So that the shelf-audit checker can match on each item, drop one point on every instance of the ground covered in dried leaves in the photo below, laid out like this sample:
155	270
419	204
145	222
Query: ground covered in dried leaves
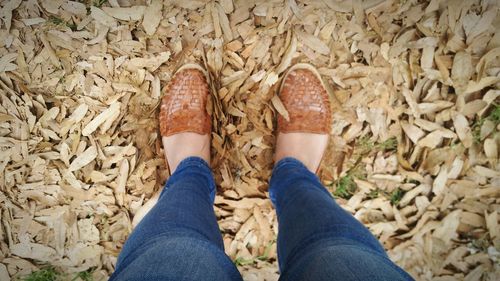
414	151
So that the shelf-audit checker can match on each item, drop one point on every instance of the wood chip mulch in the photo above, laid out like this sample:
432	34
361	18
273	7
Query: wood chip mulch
415	139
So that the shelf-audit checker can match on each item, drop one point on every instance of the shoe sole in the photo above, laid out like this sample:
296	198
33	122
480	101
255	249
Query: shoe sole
193	66
311	68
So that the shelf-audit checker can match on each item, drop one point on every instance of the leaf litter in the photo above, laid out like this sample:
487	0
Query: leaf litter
414	150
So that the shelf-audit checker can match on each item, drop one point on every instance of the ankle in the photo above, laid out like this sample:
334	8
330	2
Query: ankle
183	145
308	148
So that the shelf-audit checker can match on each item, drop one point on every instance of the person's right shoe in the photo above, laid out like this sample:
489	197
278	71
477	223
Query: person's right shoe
305	135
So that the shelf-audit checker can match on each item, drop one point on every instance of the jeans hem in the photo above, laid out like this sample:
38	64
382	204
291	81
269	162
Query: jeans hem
288	163
197	165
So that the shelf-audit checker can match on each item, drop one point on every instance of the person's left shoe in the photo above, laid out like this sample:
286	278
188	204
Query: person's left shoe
184	121
185	124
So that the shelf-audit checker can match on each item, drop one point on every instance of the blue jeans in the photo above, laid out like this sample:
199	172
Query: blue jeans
179	238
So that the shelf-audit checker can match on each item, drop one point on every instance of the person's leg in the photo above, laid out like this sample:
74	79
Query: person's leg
317	239
179	238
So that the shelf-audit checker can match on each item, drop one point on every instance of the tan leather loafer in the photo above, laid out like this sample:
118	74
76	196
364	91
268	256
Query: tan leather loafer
183	107
307	101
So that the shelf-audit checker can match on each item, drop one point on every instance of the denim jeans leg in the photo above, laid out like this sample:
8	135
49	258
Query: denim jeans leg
317	239
179	239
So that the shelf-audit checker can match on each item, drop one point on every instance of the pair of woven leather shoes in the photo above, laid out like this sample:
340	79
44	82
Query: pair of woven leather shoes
303	93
